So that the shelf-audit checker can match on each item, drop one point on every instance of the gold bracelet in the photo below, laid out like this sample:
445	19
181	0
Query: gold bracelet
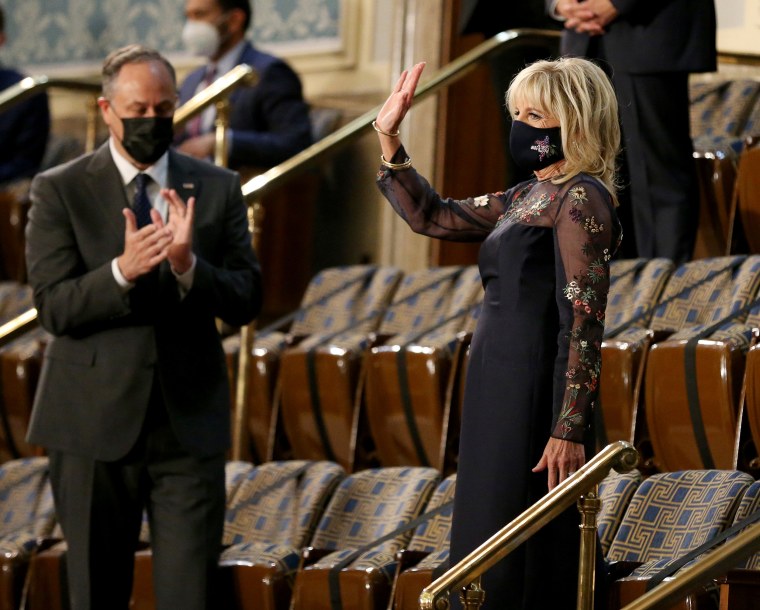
385	133
405	165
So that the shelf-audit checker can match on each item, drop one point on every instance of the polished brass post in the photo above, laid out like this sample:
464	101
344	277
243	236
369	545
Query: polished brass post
91	136
221	144
589	506
255	215
472	596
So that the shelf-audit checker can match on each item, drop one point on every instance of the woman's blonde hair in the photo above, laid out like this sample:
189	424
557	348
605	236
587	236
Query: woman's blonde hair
580	96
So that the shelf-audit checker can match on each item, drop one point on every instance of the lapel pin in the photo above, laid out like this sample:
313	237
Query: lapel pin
188	185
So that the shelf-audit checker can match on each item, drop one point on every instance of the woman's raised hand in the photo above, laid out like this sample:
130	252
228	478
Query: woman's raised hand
400	100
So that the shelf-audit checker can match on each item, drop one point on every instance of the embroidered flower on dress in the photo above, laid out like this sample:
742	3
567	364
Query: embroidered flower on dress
576	215
578	195
592	226
481	202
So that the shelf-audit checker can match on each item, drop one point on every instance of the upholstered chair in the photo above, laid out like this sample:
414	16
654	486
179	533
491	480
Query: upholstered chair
407	378
367	506
322	377
694	377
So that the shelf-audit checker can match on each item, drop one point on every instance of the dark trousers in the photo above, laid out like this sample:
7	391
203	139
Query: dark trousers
657	148
100	507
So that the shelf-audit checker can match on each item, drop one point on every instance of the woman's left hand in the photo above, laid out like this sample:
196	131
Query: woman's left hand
561	459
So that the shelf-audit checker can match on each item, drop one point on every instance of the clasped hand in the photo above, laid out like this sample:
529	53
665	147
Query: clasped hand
147	247
587	16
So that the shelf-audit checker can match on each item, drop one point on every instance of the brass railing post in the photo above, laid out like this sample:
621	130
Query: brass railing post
589	506
91	135
221	144
242	389
472	596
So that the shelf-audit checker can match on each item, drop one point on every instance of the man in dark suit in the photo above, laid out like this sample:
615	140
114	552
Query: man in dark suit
650	48
24	128
133	400
269	122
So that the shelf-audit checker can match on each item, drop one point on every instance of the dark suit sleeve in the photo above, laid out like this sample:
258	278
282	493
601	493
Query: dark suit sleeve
24	133
69	297
280	115
230	287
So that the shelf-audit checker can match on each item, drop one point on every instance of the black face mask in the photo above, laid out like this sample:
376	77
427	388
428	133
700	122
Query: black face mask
147	138
535	148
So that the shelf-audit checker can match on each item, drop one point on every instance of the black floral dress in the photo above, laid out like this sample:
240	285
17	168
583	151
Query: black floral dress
534	362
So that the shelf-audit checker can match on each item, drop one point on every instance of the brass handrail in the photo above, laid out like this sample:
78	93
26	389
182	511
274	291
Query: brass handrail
32	85
220	89
453	71
18	326
713	565
619	455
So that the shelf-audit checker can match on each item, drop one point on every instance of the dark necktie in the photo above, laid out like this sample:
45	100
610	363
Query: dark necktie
141	204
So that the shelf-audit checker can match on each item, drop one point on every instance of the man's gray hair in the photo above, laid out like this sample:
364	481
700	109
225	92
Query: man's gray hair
131	54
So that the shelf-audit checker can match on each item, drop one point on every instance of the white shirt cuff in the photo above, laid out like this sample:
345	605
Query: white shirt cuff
123	283
185	280
553	12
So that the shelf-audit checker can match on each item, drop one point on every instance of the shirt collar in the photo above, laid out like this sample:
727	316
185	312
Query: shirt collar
159	171
230	59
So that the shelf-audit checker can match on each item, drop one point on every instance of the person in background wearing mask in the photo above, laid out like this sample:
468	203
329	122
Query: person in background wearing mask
269	122
24	128
133	251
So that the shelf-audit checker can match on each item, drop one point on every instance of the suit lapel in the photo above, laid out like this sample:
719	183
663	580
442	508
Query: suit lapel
106	189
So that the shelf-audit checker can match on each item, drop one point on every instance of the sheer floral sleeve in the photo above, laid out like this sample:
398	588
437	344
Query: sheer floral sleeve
587	234
427	213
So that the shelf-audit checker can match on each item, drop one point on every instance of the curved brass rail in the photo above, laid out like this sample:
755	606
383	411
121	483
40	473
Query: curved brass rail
619	455
715	564
459	67
220	89
32	85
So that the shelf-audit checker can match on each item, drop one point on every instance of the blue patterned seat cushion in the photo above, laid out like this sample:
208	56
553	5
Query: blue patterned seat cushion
26	502
615	491
272	506
672	513
635	287
372	503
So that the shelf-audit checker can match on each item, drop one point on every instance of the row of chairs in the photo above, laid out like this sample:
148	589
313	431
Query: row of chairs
304	534
680	365
370	369
347	382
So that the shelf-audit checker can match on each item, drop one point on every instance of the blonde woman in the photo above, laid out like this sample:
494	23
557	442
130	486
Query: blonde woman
535	358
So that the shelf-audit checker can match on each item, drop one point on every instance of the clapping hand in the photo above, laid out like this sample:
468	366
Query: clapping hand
180	222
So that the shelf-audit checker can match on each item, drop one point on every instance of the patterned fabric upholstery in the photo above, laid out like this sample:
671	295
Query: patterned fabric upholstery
707	302
367	290
15	299
722	108
272	506
368	505
724	301
749	505
435	534
615	492
634	291
27	506
672	513
467	292
357	301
